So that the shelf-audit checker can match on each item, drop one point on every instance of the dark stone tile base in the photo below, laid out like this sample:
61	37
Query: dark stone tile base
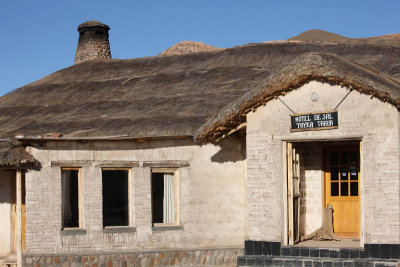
312	262
370	251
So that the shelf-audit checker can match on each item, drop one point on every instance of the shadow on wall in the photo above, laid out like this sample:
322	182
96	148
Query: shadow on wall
105	145
232	148
6	180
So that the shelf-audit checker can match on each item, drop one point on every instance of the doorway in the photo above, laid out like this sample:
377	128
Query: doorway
320	173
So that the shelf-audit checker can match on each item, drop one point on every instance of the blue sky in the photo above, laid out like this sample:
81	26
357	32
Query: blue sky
40	37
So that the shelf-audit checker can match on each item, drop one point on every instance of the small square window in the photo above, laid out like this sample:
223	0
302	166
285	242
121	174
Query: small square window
71	198
115	197
164	195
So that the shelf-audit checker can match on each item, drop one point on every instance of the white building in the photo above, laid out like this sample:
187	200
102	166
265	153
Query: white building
196	159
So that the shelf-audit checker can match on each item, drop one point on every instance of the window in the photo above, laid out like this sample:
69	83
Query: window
164	197
344	171
71	198
115	197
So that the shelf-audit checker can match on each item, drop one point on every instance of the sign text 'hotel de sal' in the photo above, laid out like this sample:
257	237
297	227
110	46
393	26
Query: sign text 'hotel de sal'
314	121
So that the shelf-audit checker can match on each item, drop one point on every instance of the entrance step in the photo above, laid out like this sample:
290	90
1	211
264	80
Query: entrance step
265	253
8	264
8	261
299	261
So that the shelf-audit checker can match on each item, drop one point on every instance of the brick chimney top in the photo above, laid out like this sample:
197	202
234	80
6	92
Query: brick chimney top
93	41
92	23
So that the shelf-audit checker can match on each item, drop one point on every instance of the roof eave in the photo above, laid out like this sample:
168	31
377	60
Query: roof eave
27	140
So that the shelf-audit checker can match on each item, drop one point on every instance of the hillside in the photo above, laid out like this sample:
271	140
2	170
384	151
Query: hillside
318	36
188	47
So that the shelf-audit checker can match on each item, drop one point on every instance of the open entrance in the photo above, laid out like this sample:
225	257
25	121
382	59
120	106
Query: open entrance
8	218
319	175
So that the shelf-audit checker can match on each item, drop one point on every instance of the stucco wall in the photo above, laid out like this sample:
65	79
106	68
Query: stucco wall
211	192
6	229
377	124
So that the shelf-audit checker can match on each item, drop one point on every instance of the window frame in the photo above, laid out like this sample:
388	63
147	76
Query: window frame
130	226
80	199
173	171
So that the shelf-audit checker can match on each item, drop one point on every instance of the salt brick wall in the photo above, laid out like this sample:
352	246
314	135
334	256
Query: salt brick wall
359	115
311	183
212	197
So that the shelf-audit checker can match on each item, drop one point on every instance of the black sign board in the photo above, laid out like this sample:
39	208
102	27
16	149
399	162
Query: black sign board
314	121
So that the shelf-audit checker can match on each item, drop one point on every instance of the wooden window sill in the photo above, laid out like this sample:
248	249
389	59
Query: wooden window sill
160	228
119	229
73	231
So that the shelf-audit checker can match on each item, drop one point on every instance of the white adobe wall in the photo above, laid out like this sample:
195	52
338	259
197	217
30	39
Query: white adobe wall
359	115
6	227
212	197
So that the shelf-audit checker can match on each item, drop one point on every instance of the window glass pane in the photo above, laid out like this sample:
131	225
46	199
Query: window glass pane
343	174
354	189
334	174
70	198
344	188
334	189
334	158
115	198
343	158
353	173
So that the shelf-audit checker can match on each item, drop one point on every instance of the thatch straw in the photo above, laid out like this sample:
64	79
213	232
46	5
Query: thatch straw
12	155
309	66
175	95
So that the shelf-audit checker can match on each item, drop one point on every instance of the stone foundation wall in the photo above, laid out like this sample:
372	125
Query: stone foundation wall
206	257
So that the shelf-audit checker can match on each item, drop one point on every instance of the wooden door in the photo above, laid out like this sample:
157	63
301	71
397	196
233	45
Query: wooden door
342	189
293	193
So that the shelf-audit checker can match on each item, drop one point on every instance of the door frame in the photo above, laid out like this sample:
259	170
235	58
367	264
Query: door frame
328	141
293	194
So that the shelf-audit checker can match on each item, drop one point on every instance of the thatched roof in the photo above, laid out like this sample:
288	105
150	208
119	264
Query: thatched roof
326	68
13	155
177	95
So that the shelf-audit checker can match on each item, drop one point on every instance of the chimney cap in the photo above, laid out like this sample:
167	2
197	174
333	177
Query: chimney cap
92	23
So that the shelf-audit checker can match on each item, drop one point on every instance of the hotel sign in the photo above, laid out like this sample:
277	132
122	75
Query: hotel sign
314	121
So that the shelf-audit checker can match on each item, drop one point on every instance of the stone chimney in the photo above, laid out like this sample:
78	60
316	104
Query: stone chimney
93	41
